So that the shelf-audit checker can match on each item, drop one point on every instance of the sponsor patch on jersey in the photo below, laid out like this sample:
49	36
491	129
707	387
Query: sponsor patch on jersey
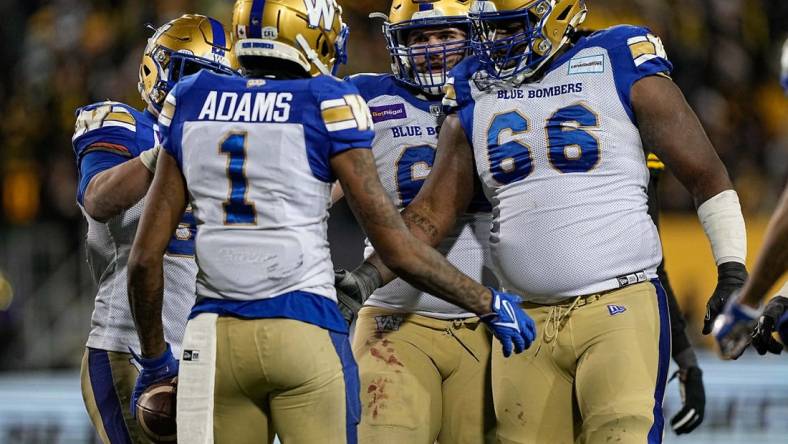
388	112
587	65
615	309
388	322
191	355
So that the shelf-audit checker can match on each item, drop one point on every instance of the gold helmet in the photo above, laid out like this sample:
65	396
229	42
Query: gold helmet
424	65
309	33
181	47
542	28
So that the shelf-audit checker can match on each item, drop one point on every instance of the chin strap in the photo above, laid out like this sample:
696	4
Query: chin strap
312	55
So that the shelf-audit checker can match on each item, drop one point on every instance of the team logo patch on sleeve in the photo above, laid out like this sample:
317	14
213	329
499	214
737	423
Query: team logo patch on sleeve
349	112
645	48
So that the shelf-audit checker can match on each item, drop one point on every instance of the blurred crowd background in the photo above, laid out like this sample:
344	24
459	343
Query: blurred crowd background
61	54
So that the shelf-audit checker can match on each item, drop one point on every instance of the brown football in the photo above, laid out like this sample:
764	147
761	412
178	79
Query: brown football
156	411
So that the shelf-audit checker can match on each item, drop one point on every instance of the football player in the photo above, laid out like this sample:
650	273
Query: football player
555	129
423	362
116	148
737	327
266	349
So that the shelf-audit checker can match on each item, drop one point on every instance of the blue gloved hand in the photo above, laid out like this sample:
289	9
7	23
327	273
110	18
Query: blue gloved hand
509	323
734	327
153	370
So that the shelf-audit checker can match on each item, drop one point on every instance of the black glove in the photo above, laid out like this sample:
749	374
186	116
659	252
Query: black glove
693	396
354	287
730	277
762	338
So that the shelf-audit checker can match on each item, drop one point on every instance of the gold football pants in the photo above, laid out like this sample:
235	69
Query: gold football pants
595	374
422	379
242	380
108	379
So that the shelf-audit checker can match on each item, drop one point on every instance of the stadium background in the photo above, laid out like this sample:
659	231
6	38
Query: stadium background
58	55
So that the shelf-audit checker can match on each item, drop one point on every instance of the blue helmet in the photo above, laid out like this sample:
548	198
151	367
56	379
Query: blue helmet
535	30
422	65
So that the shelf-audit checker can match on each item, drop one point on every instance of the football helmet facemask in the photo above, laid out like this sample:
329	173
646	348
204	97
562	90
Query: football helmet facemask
423	65
309	33
515	38
181	47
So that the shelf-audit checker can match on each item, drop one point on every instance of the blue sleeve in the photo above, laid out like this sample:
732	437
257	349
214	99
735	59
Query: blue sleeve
344	114
635	53
90	165
99	150
341	121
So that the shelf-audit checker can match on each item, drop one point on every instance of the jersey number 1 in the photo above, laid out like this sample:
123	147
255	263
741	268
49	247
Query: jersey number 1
237	210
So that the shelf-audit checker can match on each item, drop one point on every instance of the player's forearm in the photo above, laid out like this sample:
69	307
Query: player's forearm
429	271
420	227
772	261
116	190
670	127
146	291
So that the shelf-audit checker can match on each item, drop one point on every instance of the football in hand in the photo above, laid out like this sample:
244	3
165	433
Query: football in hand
156	411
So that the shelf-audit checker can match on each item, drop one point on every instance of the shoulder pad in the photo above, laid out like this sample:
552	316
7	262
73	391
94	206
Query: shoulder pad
104	115
641	40
372	85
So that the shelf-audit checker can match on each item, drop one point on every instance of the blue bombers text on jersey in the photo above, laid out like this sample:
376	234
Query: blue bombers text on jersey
560	158
255	155
106	135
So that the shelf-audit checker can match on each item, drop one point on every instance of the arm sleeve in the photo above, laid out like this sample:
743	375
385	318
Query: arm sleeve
344	115
635	53
105	136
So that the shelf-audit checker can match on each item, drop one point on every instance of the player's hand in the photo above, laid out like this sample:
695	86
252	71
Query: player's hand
762	338
693	398
509	323
730	277
348	306
733	329
354	287
153	370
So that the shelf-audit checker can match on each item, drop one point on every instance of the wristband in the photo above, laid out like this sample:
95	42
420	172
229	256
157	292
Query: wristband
724	226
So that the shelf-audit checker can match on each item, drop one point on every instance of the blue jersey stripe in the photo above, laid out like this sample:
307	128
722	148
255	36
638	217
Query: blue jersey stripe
107	401
352	384
256	19
655	433
218	33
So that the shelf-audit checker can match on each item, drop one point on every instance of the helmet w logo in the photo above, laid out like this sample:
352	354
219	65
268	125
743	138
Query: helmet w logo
320	9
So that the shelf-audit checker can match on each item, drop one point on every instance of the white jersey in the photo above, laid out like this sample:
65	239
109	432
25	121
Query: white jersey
255	155
562	162
406	135
108	134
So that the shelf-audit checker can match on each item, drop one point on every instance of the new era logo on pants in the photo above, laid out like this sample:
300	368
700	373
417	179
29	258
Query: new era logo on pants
616	309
